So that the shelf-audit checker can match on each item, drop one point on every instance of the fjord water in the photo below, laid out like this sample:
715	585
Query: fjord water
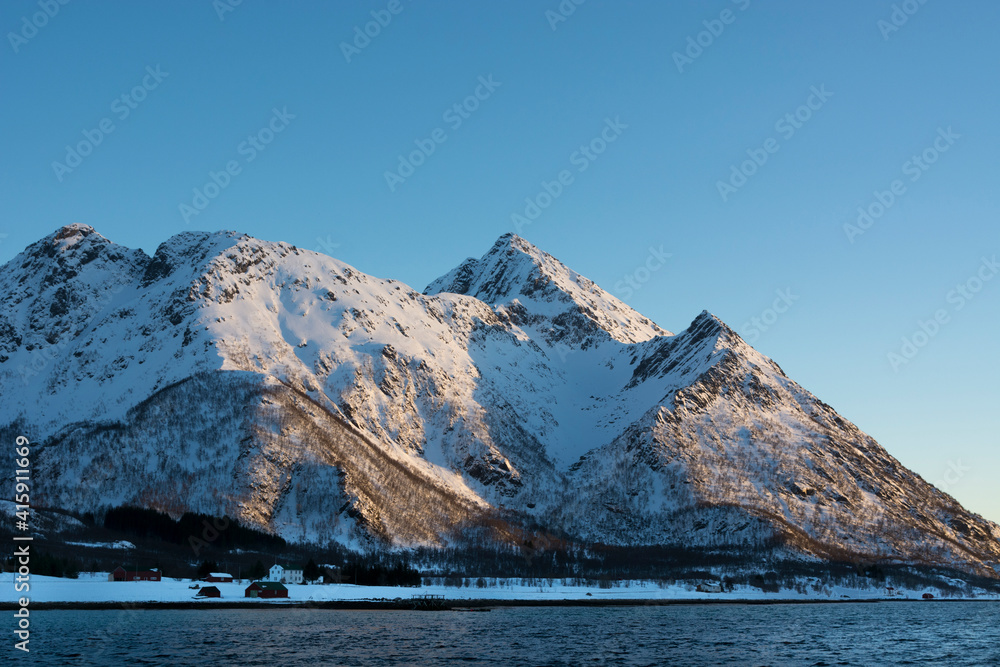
930	633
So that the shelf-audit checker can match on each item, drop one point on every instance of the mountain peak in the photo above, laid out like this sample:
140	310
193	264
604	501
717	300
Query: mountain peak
710	324
68	250
537	290
74	229
500	273
72	236
512	240
713	334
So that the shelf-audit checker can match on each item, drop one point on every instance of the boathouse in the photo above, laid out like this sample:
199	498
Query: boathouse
266	589
209	592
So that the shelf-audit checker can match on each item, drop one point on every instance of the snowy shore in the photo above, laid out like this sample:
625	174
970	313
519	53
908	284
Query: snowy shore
95	588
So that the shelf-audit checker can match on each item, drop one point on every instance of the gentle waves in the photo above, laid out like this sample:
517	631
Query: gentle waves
918	633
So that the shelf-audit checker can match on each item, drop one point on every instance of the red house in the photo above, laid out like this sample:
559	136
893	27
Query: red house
121	574
928	596
209	592
266	589
218	576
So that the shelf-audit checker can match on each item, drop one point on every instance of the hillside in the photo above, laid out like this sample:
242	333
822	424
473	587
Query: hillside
230	375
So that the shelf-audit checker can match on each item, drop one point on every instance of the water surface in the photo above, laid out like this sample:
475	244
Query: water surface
920	633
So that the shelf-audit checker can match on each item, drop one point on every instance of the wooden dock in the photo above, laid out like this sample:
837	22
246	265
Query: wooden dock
428	602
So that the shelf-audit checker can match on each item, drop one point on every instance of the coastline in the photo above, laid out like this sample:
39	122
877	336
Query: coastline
93	591
458	604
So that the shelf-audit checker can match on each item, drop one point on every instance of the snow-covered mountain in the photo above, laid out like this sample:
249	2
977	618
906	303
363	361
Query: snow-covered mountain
231	375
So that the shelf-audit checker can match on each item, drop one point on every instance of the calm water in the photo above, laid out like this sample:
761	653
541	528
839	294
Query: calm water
965	633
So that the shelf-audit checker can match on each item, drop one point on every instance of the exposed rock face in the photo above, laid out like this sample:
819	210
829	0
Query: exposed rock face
231	375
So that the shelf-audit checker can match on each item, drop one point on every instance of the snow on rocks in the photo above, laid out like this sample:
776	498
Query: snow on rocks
227	374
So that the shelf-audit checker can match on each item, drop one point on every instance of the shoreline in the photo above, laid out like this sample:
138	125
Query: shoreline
446	605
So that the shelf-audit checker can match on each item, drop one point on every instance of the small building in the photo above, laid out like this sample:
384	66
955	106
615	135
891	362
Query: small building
709	588
928	596
266	589
286	574
219	577
209	592
121	574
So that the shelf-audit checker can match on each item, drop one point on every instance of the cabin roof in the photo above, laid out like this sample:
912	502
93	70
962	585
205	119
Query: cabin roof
270	585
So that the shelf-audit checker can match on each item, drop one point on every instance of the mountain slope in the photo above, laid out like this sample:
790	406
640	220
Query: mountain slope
231	375
745	439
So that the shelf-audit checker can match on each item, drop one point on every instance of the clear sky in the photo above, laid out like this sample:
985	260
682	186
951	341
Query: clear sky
310	114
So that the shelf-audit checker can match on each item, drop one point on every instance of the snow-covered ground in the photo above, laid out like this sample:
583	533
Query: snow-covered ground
95	587
120	544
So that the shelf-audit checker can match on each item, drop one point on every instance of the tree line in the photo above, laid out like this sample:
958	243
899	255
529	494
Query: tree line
225	533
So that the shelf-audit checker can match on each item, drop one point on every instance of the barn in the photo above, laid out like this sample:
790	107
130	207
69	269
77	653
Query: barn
121	574
209	592
266	589
221	577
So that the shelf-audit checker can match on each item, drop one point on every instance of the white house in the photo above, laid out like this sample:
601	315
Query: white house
285	574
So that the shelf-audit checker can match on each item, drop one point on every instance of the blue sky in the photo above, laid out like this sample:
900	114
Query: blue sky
199	81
